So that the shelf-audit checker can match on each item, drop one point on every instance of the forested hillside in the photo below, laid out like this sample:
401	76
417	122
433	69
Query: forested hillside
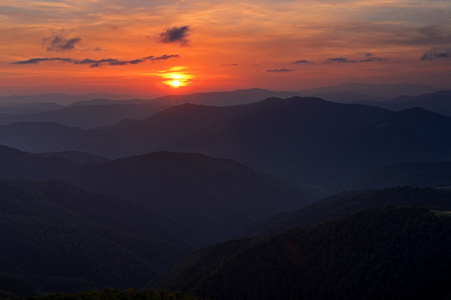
343	203
380	253
59	238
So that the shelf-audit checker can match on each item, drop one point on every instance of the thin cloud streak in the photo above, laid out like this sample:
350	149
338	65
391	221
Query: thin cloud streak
302	61
343	60
283	70
434	54
95	62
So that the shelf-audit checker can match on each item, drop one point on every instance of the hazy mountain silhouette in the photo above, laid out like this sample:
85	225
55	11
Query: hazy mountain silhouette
237	97
218	196
347	96
62	99
59	238
316	143
387	91
89	116
106	102
409	173
338	205
379	253
78	157
100	112
439	101
27	108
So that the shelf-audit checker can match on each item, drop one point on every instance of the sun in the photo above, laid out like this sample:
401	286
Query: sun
175	83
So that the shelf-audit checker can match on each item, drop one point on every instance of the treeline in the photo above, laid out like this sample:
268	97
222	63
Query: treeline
379	253
115	294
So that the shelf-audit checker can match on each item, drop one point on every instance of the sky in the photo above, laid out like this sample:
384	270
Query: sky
147	47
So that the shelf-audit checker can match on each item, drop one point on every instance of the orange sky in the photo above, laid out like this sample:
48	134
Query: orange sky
135	47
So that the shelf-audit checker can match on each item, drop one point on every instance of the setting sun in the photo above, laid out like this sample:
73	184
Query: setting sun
175	83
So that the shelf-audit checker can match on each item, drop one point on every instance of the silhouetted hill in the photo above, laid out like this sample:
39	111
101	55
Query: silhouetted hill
313	142
237	97
59	238
27	108
62	99
387	91
78	157
340	204
218	196
410	173
347	96
41	137
106	102
89	116
383	253
439	102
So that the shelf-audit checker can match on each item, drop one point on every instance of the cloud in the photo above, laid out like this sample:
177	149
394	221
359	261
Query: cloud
280	70
60	43
302	61
436	54
343	60
95	62
175	34
370	57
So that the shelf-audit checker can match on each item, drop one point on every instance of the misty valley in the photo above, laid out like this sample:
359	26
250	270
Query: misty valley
339	192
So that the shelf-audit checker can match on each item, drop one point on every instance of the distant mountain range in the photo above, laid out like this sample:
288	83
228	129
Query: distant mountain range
116	191
439	101
62	99
379	92
218	197
86	115
97	112
315	143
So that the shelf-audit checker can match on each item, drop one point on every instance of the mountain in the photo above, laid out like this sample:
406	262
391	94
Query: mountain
78	157
28	108
338	205
237	97
347	96
439	102
90	115
380	253
216	196
316	143
409	173
42	137
101	112
128	137
59	238
106	102
62	99
387	91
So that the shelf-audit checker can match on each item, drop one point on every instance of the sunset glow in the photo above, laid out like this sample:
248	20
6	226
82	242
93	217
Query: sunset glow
175	83
137	47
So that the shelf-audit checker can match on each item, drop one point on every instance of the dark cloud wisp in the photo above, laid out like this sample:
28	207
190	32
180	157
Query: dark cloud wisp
95	62
343	60
283	70
175	34
60	43
302	61
436	54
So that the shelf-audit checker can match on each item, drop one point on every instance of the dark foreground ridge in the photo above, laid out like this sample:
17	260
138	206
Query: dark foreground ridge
380	253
